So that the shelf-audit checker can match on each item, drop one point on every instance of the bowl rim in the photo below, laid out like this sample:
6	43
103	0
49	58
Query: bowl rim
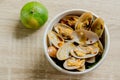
58	67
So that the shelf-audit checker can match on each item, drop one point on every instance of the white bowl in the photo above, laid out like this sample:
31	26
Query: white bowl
50	26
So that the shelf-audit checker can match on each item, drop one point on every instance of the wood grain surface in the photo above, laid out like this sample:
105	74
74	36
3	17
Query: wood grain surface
21	50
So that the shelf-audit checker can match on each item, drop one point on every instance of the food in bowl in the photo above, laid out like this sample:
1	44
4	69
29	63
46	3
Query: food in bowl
76	42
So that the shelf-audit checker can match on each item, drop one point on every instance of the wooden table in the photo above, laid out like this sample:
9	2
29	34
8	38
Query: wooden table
21	50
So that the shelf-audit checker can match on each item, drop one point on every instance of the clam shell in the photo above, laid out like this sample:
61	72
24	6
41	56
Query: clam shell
91	51
70	20
64	30
85	36
63	52
84	21
77	52
55	39
98	26
73	63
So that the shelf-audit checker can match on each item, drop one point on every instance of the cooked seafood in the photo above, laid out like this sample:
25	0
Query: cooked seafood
64	30
98	26
84	21
75	41
70	20
90	51
73	63
55	39
64	52
84	36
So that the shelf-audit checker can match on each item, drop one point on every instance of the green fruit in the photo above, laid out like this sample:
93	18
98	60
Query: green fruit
33	15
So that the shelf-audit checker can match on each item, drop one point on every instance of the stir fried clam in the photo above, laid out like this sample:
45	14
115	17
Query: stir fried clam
84	36
84	21
70	20
64	30
75	41
64	52
90	51
73	63
55	39
98	26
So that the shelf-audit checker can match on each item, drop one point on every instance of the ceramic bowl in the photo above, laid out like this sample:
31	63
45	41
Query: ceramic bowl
56	20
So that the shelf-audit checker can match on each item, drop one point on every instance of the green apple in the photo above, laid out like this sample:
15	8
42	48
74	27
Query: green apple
33	15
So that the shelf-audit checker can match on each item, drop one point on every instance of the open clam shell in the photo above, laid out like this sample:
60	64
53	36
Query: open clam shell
98	26
55	39
64	30
77	51
69	20
84	21
85	36
73	63
64	52
89	51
